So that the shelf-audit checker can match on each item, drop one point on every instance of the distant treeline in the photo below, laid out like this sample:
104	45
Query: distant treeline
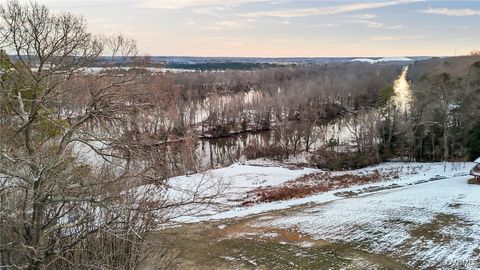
223	66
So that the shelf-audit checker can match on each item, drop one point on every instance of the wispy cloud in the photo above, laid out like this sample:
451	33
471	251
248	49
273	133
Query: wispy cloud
397	38
231	25
216	11
332	10
326	25
369	24
367	16
397	26
374	24
451	12
367	19
180	4
284	22
189	21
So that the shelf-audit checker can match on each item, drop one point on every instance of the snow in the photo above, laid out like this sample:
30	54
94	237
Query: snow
382	60
477	160
240	178
428	216
430	225
224	188
382	220
254	235
98	70
227	187
366	60
394	59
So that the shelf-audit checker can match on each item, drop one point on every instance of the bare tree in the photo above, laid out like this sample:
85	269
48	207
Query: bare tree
68	179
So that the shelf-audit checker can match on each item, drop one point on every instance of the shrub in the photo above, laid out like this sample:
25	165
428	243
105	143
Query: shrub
473	143
270	151
341	158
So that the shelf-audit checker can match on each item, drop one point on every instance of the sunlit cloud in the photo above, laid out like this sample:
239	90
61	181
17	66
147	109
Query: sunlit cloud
367	20
283	27
217	11
180	4
326	25
398	38
369	24
307	12
451	12
374	24
231	25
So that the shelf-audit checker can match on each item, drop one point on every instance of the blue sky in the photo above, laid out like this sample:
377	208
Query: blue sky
282	28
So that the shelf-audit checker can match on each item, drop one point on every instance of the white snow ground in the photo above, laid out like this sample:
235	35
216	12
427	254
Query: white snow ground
233	182
225	188
433	225
428	217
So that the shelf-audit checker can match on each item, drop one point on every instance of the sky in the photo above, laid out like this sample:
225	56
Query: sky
285	28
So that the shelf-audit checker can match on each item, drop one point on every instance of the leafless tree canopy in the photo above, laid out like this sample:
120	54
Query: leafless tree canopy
66	179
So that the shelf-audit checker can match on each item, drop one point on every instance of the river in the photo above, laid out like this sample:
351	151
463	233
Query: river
211	153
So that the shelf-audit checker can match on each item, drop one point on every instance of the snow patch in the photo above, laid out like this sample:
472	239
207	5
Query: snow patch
383	60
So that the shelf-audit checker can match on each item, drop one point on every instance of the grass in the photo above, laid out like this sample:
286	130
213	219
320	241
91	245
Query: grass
432	230
474	181
238	244
273	255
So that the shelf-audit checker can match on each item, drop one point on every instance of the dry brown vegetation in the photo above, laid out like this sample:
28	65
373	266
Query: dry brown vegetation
310	184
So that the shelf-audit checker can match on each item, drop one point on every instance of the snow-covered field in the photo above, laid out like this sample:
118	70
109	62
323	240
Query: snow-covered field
230	185
427	216
434	224
223	189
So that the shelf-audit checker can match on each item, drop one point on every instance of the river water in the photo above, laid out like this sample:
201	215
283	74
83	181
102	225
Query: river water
217	152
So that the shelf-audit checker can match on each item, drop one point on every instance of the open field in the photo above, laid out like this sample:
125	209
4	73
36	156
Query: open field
420	218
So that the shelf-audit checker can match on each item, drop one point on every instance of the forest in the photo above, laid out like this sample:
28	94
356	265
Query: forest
79	141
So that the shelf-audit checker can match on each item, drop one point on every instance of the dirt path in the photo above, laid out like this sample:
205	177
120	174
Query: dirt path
241	244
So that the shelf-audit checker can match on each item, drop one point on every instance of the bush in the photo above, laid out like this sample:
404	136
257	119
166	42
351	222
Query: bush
341	158
271	151
473	143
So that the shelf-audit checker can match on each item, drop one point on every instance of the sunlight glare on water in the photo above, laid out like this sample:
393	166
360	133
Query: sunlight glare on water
402	91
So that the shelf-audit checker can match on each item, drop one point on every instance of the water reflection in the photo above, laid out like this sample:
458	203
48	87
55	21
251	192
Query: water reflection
218	152
403	93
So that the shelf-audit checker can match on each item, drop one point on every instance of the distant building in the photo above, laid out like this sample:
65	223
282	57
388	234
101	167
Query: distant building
475	172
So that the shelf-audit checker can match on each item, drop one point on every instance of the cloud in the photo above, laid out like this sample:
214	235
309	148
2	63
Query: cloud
231	24
189	21
367	19
364	16
374	24
397	26
332	10
216	11
326	25
181	4
285	22
451	12
397	38
369	24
